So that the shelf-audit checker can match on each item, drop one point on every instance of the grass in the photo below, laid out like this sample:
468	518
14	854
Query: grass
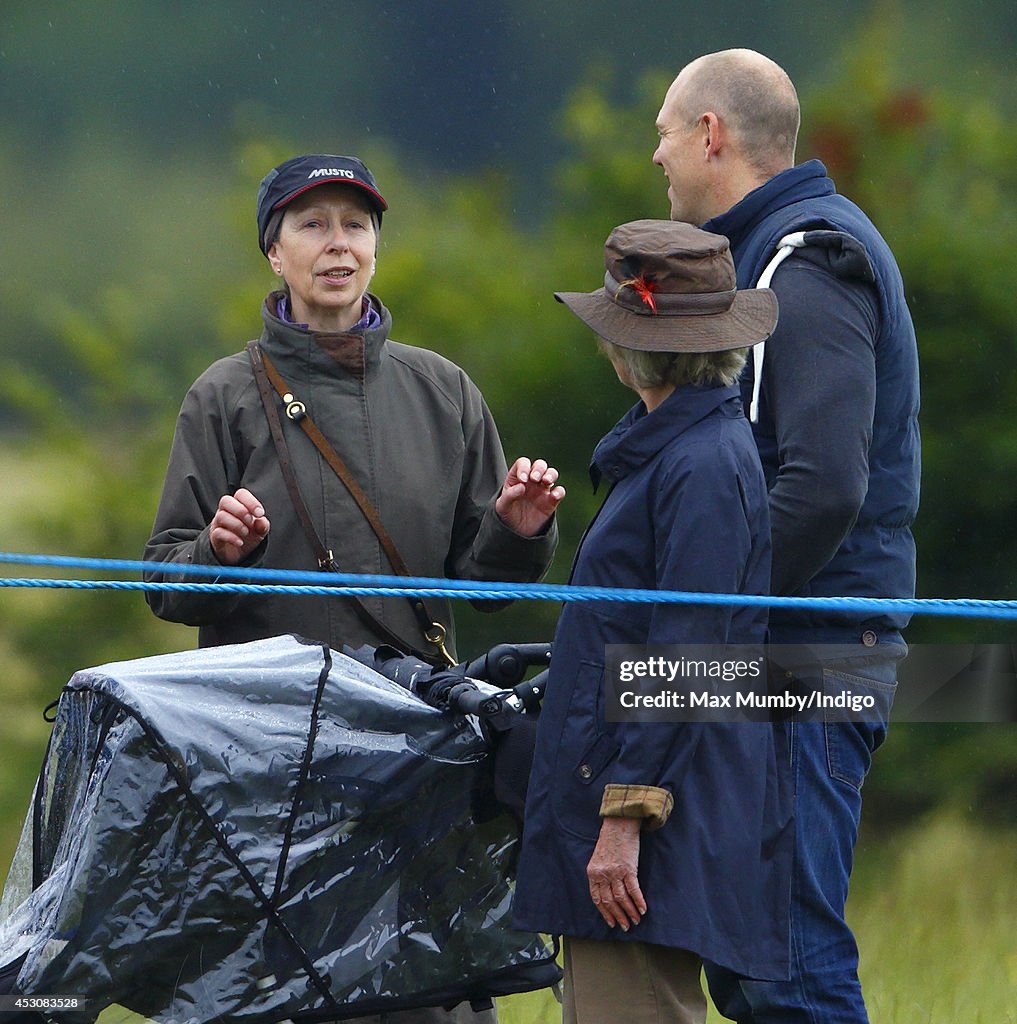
23	736
936	918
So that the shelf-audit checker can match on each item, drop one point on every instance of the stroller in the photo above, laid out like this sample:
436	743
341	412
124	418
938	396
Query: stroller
275	831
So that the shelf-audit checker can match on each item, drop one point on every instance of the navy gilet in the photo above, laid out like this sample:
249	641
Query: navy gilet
877	558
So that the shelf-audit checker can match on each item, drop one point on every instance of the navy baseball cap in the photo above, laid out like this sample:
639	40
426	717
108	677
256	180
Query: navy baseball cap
294	177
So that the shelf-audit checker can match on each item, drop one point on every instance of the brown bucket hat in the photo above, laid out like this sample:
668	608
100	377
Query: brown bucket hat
670	287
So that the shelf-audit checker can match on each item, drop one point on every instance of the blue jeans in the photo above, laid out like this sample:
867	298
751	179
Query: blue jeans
829	761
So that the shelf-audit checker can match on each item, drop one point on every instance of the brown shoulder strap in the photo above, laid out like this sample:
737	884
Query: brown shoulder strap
323	556
264	372
297	412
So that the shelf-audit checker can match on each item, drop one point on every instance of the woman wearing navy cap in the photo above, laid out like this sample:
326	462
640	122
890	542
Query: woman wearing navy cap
411	428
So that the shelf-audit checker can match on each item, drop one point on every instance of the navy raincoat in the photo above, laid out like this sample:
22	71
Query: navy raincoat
687	510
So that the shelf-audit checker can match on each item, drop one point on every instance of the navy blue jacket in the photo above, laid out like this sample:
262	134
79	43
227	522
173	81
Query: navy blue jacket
687	510
838	424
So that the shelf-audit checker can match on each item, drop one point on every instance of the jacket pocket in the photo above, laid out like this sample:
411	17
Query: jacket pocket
585	751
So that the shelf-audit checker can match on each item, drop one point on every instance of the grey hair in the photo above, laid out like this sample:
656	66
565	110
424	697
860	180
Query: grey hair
655	369
754	96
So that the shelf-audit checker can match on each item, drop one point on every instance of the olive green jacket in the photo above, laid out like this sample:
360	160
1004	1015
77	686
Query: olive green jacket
412	428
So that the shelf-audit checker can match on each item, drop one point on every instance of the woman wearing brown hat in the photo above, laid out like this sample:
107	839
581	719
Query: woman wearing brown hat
653	845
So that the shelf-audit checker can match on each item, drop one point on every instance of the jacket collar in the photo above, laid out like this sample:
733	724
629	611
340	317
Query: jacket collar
640	435
356	353
806	181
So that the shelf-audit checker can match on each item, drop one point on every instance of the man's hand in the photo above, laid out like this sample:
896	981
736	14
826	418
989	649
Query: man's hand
613	873
238	527
529	496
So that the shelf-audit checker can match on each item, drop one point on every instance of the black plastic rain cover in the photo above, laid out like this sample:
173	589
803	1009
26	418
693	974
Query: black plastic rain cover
260	832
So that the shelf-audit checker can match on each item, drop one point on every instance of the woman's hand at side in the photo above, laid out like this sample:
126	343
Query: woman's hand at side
613	873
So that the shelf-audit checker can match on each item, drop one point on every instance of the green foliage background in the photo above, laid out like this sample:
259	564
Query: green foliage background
131	145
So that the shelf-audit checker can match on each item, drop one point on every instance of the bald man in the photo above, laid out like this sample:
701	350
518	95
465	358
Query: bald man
833	398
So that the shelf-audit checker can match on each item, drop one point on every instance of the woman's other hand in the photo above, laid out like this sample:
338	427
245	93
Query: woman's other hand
613	873
238	526
529	496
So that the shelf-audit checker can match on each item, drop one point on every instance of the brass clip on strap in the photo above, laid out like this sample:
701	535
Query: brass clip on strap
435	634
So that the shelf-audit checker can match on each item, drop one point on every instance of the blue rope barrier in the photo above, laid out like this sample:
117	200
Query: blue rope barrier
296	584
237	572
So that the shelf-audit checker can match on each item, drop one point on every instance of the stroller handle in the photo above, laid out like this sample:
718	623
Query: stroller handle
506	664
472	697
485	687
